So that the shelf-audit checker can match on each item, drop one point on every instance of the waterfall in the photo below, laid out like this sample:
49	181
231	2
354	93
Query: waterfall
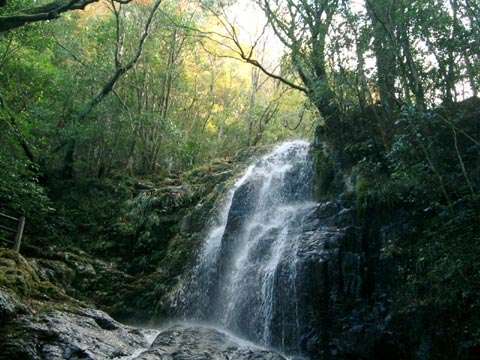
246	277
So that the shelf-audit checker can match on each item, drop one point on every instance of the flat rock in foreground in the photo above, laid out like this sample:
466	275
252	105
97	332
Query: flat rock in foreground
85	334
68	334
202	343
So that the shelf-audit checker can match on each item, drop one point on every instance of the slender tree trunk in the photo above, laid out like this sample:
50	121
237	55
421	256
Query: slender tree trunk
380	15
412	73
68	171
363	91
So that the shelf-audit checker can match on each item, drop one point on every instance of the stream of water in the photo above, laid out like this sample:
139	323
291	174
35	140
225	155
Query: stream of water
246	277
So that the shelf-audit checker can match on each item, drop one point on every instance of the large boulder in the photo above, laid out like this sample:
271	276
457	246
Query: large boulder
203	343
69	334
89	334
38	320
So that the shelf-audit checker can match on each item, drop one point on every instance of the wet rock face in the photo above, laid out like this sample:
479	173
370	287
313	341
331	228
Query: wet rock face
243	204
88	334
202	343
264	271
342	304
80	334
9	306
301	324
347	284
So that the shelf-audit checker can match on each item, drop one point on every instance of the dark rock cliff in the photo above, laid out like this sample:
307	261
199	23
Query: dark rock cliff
379	292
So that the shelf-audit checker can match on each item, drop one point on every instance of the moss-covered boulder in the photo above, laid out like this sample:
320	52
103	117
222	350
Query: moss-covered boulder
21	277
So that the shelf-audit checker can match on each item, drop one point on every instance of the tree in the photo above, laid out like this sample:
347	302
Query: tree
45	12
303	28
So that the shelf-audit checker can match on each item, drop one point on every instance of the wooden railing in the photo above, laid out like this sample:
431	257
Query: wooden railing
18	231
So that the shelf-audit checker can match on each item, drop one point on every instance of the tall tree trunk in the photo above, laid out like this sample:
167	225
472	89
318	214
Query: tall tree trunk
380	13
68	171
412	71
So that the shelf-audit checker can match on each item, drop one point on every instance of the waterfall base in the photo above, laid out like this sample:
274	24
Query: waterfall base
250	273
89	334
195	342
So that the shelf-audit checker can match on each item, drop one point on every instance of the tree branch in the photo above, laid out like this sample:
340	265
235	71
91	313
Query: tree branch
10	120
48	11
121	69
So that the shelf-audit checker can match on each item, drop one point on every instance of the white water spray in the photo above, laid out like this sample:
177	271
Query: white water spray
246	275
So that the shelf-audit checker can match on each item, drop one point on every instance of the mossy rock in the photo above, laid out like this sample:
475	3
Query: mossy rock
22	278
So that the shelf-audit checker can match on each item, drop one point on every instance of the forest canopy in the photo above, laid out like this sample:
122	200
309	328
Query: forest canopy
95	88
178	105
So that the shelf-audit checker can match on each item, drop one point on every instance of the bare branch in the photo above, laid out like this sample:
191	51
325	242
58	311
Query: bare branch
9	118
48	11
121	69
70	52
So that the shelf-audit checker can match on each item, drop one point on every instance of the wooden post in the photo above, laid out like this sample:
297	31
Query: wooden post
18	237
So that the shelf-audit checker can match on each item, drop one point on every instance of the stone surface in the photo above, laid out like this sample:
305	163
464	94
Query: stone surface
92	335
203	343
69	334
9	306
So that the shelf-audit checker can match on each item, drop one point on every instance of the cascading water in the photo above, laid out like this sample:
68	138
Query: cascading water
246	275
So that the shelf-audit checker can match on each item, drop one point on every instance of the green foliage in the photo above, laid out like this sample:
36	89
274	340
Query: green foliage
428	175
178	108
20	191
439	271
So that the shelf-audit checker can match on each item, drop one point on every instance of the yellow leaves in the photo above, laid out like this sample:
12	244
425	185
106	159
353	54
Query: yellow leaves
102	9
144	2
217	108
98	9
211	128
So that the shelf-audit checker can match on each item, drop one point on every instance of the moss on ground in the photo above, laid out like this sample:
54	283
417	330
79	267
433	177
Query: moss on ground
21	277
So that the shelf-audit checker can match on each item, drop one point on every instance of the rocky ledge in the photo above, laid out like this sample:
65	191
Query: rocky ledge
188	342
69	334
86	334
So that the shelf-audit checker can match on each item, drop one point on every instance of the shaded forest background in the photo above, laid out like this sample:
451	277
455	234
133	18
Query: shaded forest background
94	102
